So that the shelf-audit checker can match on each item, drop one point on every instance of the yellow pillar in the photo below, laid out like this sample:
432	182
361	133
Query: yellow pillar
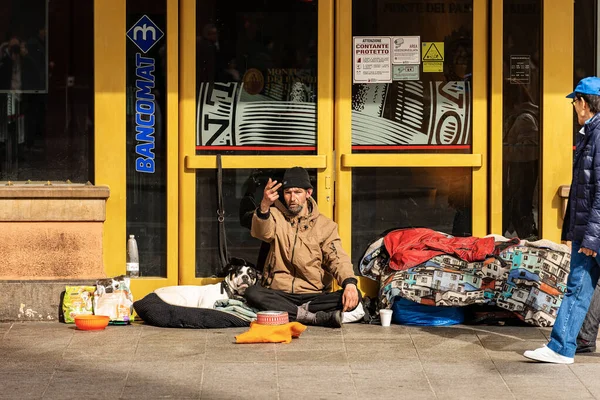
557	113
109	135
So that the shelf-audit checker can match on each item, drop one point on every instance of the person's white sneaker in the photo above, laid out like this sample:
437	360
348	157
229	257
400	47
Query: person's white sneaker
545	354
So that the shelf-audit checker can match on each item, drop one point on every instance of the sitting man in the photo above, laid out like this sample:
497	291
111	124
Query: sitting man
305	252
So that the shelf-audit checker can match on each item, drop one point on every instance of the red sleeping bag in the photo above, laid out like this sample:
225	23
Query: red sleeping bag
410	247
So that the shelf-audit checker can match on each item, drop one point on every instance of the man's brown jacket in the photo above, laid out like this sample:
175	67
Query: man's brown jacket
305	251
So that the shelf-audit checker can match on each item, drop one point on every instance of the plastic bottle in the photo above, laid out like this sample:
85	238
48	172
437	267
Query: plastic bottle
133	258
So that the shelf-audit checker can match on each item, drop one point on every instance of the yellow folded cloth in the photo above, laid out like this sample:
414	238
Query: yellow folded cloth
271	333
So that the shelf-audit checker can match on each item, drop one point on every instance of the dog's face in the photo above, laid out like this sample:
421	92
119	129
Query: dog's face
241	275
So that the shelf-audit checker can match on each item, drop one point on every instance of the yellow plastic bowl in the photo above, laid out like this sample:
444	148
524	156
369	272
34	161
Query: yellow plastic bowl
91	322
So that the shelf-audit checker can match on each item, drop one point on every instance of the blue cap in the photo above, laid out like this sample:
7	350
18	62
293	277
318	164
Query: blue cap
589	85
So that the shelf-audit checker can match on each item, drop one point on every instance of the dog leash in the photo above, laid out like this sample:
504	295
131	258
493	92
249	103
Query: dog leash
222	239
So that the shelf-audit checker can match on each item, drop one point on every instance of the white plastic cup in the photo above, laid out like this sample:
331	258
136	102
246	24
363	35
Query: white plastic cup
386	317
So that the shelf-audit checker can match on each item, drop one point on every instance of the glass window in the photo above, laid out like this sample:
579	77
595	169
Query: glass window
521	118
146	133
256	76
242	193
430	108
46	90
387	198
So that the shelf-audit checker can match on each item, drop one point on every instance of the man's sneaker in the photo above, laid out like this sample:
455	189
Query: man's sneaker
545	354
332	319
583	346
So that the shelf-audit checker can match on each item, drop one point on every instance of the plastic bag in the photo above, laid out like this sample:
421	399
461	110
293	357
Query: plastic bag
78	300
113	298
407	312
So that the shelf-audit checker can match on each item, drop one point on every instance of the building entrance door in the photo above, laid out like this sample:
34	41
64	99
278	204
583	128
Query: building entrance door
256	81
411	123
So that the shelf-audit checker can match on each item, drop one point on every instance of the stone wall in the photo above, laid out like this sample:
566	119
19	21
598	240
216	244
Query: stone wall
50	236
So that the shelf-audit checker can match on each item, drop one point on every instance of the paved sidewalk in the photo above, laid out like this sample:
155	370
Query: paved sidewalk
55	361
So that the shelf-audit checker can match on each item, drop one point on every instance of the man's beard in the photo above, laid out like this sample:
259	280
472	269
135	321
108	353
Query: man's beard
296	210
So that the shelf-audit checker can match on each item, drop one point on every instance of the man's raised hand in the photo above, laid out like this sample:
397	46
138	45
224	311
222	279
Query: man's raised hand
269	196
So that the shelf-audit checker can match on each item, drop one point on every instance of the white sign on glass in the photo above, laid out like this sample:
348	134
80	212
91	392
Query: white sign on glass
372	59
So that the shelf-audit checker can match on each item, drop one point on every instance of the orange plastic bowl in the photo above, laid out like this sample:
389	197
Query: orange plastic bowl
91	322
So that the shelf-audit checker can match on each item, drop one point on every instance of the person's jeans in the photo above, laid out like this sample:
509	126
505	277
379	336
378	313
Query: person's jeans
581	283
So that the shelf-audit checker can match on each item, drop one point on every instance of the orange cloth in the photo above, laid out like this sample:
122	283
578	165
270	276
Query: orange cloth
271	333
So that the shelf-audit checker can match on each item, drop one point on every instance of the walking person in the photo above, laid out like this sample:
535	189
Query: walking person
581	226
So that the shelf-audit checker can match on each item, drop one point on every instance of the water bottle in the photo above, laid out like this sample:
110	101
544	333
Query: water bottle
133	258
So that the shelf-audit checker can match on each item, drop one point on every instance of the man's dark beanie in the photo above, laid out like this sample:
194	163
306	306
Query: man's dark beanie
296	177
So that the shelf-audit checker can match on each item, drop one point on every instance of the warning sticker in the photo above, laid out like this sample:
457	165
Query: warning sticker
433	56
433	51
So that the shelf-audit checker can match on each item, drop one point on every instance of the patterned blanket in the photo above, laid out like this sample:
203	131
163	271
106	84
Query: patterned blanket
527	278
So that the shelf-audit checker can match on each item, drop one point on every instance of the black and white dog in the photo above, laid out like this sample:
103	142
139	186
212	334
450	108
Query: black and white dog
240	275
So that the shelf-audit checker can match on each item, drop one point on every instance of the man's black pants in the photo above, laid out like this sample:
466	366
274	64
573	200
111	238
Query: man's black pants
275	300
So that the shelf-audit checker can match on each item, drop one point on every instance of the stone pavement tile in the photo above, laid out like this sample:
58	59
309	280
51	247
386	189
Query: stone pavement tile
525	371
307	358
510	350
587	358
544	388
546	332
30	360
227	379
4	327
242	353
400	376
321	333
82	339
375	332
588	374
409	392
457	350
155	334
86	383
47	330
478	379
449	332
250	393
160	391
328	381
304	394
458	372
177	379
508	333
23	386
301	344
485	390
121	329
223	337
227	333
41	344
93	366
100	350
365	350
174	350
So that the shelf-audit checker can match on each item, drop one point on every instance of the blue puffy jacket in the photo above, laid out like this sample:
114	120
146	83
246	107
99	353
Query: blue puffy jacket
582	219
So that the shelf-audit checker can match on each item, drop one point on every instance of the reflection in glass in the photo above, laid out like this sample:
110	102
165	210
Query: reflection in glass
585	47
522	129
432	110
242	193
387	198
46	90
256	75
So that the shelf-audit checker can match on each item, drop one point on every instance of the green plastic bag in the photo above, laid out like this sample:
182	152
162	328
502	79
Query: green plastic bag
78	300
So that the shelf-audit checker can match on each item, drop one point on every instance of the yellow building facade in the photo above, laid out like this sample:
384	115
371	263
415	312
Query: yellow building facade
392	136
